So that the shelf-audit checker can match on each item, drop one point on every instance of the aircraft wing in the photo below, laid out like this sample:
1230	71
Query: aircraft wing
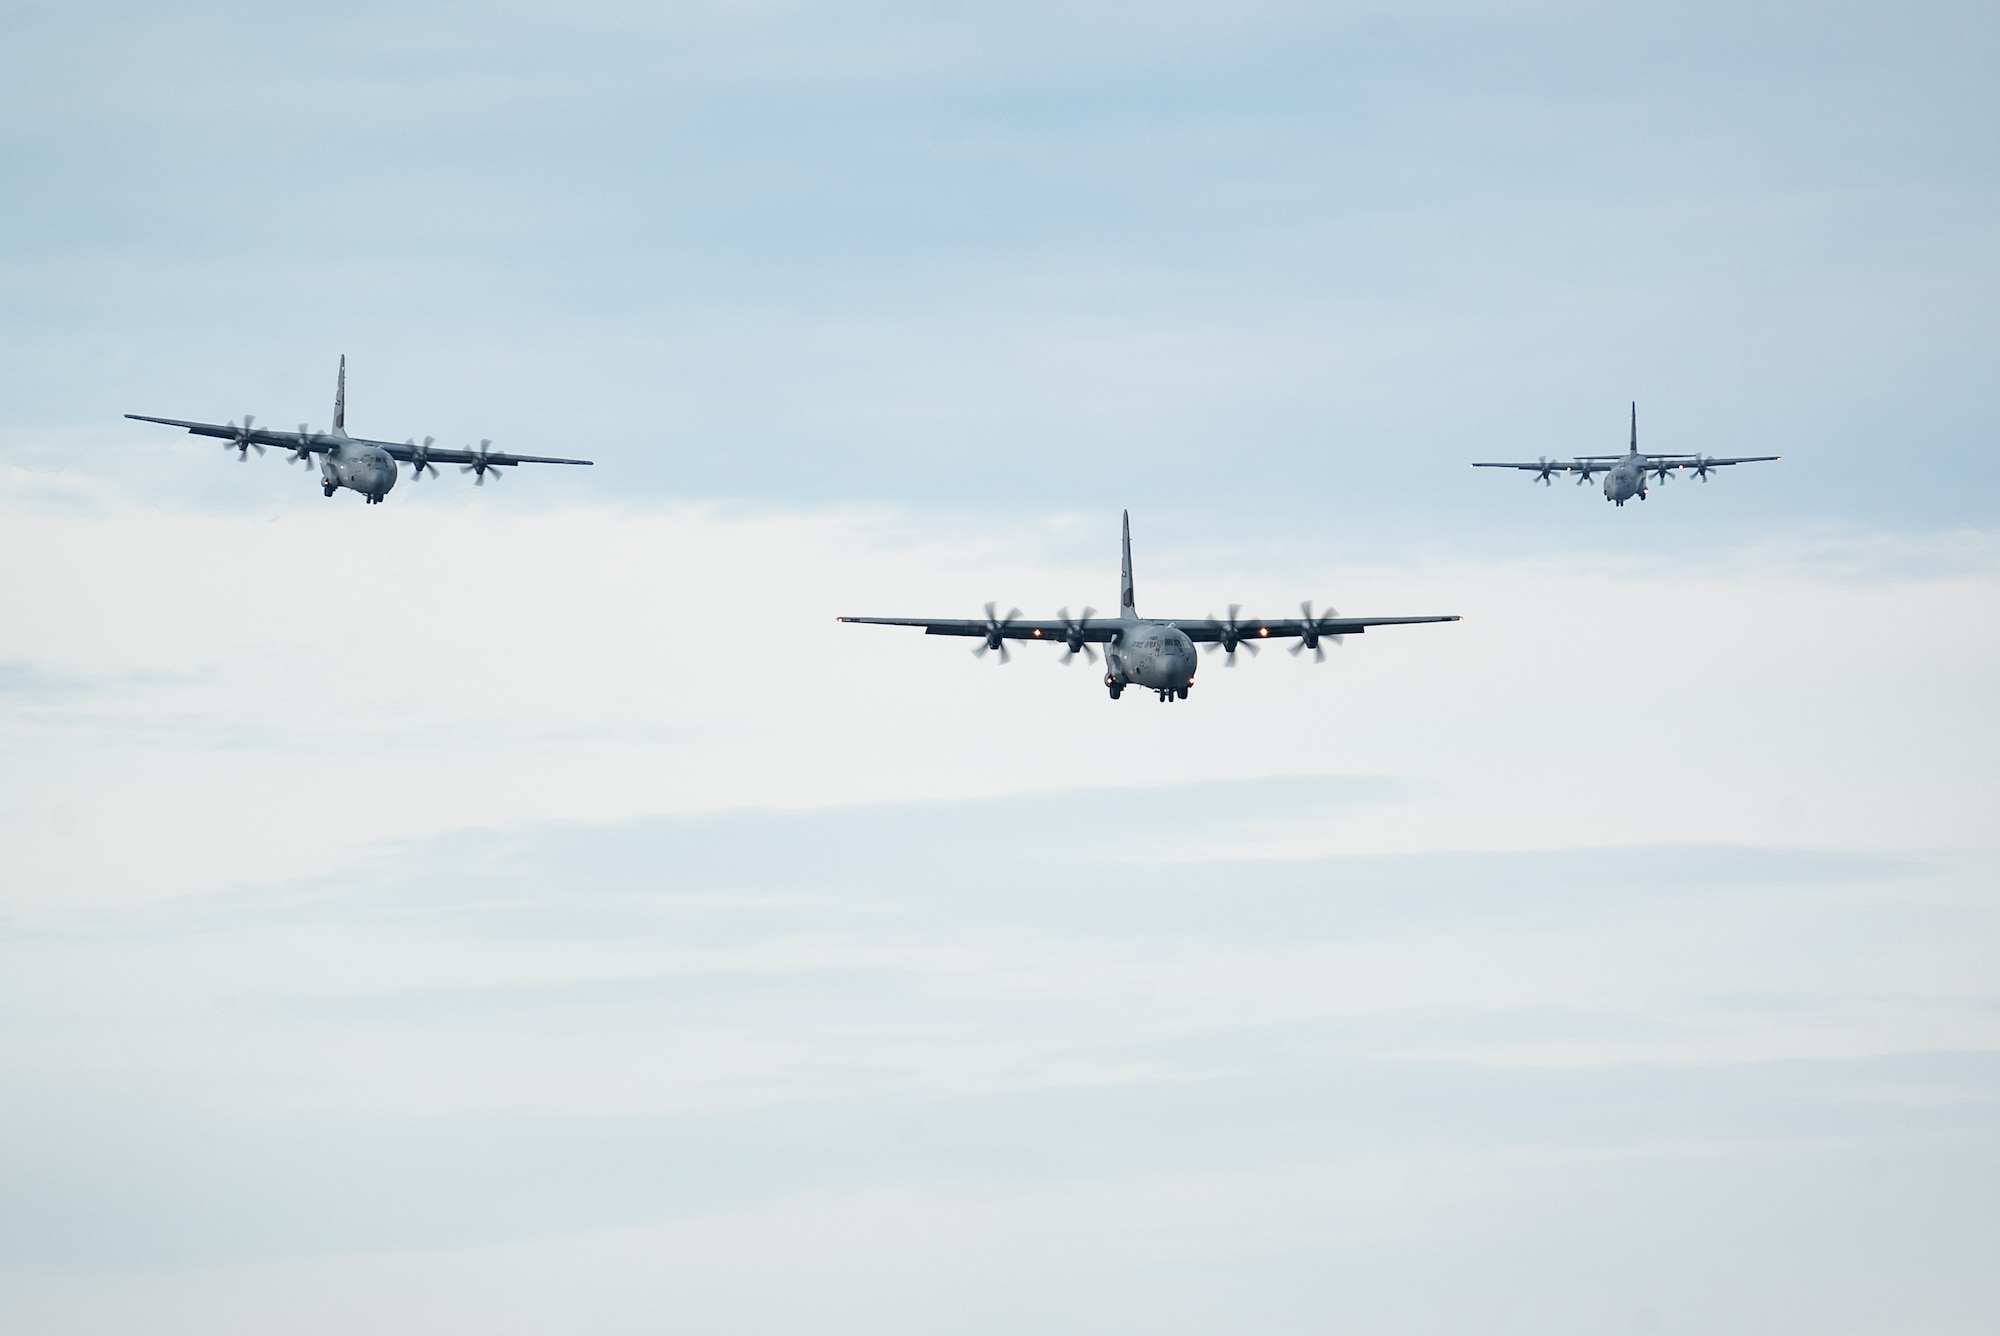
407	451
1284	628
1549	465
315	442
1704	461
1097	630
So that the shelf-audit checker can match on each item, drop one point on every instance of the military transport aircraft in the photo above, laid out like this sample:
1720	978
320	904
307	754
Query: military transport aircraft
368	467
1625	475
1154	653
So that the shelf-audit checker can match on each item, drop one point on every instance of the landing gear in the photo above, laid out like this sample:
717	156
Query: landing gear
327	488
1182	692
1113	685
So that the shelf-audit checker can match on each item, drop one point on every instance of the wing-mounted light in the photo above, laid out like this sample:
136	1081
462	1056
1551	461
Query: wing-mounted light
241	442
996	633
1073	635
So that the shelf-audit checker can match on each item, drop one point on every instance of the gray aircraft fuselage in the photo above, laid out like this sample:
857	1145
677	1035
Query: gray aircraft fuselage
1155	655
367	469
1626	479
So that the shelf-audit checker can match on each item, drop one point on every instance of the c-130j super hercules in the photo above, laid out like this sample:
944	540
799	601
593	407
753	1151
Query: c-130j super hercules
1625	475
368	467
1157	654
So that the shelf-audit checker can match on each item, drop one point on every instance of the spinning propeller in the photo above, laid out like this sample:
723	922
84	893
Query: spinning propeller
1584	469
242	444
479	465
1315	629
1548	466
996	628
1073	640
1664	471
303	450
420	459
1234	633
1703	466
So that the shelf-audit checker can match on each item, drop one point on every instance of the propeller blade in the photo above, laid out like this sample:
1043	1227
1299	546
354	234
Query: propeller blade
1074	643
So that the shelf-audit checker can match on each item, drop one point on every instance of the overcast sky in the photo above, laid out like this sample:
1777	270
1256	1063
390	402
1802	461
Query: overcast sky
524	909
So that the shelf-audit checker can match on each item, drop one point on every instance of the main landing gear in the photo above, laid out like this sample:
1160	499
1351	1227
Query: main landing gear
1117	689
328	488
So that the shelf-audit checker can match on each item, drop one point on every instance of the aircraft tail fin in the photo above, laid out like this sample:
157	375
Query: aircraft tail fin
1635	427
340	398
1126	607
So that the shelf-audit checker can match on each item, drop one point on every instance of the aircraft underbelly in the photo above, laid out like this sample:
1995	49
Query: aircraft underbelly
373	476
1157	671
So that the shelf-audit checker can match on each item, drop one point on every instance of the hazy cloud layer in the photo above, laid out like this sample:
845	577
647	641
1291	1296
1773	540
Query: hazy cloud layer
544	1037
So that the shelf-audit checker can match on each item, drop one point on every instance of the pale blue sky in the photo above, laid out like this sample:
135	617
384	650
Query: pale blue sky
1301	256
524	909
